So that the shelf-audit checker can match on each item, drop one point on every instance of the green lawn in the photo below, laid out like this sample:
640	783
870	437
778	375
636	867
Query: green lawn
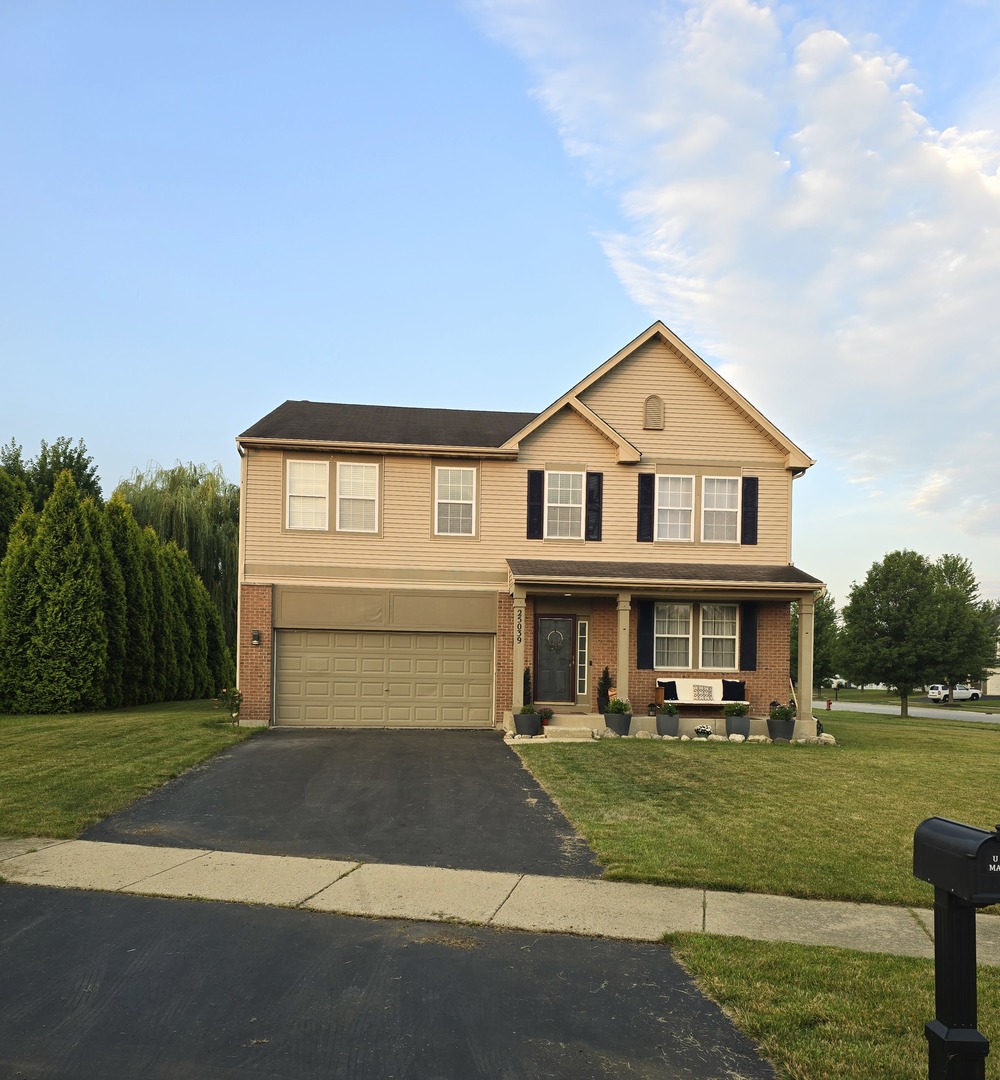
917	698
62	773
816	822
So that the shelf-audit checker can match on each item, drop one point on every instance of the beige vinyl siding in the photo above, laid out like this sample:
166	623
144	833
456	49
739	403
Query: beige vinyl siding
703	436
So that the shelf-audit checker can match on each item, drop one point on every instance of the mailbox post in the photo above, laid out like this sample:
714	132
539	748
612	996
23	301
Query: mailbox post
963	865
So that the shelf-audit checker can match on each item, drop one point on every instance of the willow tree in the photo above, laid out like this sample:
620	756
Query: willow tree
199	509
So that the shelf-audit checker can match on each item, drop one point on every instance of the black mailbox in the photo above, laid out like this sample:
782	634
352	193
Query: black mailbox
961	859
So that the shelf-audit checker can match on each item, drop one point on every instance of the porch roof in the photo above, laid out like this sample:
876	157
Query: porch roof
645	575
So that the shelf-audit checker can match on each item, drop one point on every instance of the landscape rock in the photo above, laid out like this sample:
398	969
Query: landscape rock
737	738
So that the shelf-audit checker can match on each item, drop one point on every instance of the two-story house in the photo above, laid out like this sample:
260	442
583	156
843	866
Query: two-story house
404	567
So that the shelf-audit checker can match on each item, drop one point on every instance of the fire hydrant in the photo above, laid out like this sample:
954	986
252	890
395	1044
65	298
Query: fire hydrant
829	704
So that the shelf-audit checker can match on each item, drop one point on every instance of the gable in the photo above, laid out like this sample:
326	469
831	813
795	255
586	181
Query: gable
567	437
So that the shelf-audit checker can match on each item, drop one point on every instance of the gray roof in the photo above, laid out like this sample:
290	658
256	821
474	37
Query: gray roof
328	422
724	573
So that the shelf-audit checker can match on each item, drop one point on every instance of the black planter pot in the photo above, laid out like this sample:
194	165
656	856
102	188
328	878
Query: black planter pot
667	724
527	724
780	729
738	725
618	721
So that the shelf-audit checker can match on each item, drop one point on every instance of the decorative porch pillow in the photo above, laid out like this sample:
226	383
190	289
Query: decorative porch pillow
734	690
669	690
703	692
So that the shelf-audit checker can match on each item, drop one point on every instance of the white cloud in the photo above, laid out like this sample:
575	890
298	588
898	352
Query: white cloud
788	209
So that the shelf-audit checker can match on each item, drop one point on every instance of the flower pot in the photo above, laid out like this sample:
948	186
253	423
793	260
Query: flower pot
738	725
667	724
527	724
618	721
780	729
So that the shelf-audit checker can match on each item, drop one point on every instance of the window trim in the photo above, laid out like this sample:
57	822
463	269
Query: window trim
289	495
736	481
719	637
582	505
657	507
340	527
474	502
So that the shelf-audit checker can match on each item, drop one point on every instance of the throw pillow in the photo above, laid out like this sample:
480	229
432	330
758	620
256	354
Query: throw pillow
734	690
702	692
669	690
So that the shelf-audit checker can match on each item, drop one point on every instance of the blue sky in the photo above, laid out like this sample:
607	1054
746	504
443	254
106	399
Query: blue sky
209	208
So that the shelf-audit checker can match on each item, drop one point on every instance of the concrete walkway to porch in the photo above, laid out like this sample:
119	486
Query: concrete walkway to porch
587	907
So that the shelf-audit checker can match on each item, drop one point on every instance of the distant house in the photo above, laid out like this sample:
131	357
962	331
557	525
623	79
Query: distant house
403	567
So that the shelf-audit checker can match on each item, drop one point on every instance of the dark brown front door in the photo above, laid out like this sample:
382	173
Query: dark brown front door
555	657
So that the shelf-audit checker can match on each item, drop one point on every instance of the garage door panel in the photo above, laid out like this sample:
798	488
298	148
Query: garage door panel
384	679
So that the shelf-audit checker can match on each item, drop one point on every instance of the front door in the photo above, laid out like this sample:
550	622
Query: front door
555	658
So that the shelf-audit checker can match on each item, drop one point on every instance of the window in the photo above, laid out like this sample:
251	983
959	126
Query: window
718	637
720	509
674	507
564	505
672	636
308	493
455	502
357	498
582	632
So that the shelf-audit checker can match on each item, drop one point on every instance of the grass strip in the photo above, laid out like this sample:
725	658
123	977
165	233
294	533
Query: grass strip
64	772
822	1013
814	822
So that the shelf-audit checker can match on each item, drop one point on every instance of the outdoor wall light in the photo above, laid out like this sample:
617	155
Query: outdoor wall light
254	637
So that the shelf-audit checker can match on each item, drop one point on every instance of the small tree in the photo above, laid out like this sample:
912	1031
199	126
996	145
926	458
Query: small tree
968	629
18	606
13	496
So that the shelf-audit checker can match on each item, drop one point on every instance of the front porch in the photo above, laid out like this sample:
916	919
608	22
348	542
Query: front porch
581	726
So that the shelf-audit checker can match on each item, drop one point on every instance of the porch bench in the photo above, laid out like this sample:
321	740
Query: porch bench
705	693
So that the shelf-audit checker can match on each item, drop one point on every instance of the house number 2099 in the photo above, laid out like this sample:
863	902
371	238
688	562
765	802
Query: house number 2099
520	626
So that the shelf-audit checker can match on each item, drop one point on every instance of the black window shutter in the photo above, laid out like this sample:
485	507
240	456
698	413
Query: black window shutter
644	532
595	497
748	531
748	637
536	503
644	636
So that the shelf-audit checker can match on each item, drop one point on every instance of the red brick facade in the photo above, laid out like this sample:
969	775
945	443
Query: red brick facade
255	661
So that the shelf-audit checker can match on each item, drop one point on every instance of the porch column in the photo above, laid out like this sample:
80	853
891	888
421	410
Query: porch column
517	675
624	611
807	608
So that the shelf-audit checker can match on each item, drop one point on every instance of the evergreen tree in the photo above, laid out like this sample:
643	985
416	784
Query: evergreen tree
13	496
19	601
196	680
114	602
66	656
126	541
165	669
199	509
175	617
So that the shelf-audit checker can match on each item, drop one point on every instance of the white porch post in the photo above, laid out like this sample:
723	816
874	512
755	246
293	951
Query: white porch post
624	611
517	675
807	608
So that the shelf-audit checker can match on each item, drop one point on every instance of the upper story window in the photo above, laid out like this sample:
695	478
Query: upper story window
674	507
564	505
720	509
357	497
653	413
455	502
672	636
308	494
718	637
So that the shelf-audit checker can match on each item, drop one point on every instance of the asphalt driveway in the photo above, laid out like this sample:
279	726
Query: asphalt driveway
457	799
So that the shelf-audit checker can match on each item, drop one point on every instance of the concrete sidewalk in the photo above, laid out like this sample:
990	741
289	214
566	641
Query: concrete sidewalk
507	901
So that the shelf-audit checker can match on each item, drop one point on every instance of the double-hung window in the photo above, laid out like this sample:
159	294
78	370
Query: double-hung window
720	509
357	497
672	636
674	507
308	492
455	502
564	505
718	637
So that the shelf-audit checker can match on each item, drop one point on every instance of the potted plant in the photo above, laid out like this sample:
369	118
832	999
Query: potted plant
737	720
527	721
545	715
781	722
667	719
604	684
702	731
618	715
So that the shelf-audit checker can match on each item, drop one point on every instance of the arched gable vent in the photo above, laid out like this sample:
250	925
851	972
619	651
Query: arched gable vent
652	413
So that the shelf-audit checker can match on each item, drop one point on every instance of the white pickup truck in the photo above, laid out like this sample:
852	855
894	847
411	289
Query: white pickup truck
940	693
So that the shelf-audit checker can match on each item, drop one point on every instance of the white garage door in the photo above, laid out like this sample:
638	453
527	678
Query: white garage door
347	678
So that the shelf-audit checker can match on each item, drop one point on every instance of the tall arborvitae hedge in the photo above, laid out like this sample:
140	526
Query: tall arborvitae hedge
97	613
